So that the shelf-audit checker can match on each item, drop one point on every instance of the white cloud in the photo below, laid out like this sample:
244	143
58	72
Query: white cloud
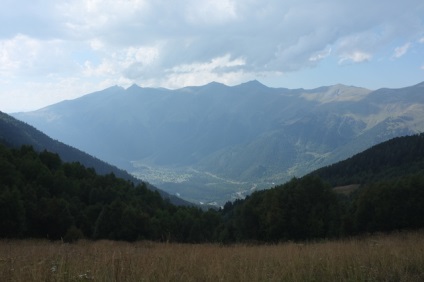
272	35
318	56
276	34
105	68
163	43
17	52
145	55
129	63
401	50
84	18
223	69
23	55
213	65
215	12
96	44
355	57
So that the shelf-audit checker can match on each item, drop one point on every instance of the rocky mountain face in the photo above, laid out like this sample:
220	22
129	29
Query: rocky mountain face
212	143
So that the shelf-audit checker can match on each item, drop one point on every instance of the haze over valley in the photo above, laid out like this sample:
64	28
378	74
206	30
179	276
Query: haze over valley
213	143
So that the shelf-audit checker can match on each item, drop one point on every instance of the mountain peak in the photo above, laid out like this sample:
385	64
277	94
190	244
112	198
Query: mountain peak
255	82
134	86
251	85
215	84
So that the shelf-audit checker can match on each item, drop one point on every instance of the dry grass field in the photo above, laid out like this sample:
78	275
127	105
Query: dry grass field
395	257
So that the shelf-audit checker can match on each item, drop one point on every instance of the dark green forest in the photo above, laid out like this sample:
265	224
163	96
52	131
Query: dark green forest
43	197
391	159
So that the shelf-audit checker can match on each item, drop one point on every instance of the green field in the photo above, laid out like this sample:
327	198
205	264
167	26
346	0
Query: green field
395	257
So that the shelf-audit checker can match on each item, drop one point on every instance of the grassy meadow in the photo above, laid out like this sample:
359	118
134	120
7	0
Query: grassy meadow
394	257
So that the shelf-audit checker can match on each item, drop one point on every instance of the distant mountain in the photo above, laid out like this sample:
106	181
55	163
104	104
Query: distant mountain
14	133
215	142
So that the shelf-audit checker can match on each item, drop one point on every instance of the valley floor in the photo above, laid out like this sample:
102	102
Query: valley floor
395	257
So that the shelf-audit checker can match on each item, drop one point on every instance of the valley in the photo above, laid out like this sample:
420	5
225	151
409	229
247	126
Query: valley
377	190
184	182
213	143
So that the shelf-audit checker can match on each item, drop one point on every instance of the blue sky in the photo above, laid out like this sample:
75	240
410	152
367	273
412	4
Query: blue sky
53	50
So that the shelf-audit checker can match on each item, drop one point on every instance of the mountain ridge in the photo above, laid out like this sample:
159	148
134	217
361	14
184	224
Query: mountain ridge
249	133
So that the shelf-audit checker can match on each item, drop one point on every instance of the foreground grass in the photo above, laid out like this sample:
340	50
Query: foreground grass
396	257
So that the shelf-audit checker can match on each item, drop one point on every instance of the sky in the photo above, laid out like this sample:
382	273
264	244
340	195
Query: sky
53	50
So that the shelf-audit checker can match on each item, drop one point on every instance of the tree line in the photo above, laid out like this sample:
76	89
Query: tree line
43	197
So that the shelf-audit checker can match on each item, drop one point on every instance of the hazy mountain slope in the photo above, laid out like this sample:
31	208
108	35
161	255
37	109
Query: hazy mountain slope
15	133
222	140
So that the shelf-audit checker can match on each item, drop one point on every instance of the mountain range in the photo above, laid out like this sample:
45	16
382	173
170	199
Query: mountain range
214	143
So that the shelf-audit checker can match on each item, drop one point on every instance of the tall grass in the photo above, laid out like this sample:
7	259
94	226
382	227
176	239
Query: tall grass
396	257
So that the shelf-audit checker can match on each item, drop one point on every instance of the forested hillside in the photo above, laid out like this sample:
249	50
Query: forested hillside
308	208
390	159
15	133
43	197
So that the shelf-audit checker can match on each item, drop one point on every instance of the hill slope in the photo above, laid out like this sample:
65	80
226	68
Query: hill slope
215	142
394	158
43	197
390	198
15	133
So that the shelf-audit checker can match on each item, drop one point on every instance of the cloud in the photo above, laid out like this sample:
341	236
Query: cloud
24	55
105	68
275	35
164	43
272	35
203	72
215	12
354	57
318	56
401	50
81	19
215	65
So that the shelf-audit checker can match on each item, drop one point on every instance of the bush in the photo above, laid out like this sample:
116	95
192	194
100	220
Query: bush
73	234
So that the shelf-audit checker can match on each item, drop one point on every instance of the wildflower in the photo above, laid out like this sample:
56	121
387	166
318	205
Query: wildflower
86	276
53	269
